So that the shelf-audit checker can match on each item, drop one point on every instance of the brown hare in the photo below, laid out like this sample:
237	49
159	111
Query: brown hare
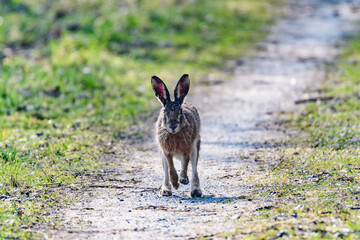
178	135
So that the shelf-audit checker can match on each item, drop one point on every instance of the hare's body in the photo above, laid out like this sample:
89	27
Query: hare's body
178	135
181	142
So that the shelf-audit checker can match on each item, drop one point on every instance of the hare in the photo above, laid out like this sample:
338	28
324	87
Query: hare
178	135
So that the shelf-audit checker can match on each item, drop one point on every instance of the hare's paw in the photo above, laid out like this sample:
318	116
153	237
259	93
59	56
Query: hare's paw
165	192
174	179
184	180
175	184
196	192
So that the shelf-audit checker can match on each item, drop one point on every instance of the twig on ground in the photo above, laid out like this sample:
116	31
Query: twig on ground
51	184
316	99
120	187
108	186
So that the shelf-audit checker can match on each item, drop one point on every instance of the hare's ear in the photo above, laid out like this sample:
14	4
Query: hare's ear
160	90
182	88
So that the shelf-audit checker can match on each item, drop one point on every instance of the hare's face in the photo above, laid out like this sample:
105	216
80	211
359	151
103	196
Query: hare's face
173	117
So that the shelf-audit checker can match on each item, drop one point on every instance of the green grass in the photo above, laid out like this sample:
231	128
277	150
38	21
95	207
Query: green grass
97	57
315	188
75	74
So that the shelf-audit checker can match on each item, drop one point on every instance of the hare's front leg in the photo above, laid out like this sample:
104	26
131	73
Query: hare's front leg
184	167
195	182
165	188
174	179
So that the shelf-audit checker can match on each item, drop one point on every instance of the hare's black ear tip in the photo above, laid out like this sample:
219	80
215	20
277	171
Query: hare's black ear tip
186	75
155	79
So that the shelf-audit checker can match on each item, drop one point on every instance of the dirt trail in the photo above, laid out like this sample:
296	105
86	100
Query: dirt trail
236	125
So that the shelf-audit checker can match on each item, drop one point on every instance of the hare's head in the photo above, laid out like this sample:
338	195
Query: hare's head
172	110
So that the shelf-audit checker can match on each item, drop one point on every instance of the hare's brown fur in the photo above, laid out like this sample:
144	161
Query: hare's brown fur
182	142
178	135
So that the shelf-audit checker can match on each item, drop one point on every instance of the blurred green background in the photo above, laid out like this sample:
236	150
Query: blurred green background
93	59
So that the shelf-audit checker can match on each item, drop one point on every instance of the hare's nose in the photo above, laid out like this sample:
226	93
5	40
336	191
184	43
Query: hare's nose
172	125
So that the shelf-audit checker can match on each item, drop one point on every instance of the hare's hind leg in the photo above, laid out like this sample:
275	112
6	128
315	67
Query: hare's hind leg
195	182
165	188
184	167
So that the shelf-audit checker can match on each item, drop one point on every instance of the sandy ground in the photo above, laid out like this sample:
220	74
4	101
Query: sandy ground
238	118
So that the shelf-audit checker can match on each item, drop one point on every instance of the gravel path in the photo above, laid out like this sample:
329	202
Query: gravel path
237	123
